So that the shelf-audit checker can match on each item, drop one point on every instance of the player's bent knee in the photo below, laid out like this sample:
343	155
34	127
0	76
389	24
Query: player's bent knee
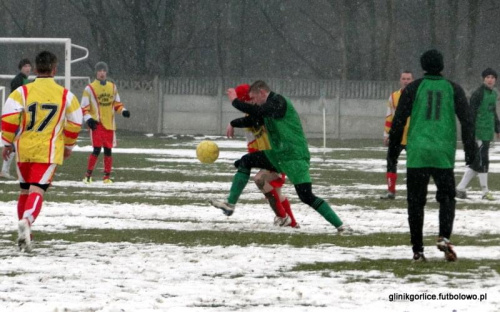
44	187
245	162
259	181
307	198
107	151
96	151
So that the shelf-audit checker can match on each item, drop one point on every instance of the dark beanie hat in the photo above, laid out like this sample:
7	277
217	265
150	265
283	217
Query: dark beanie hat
489	71
432	62
101	66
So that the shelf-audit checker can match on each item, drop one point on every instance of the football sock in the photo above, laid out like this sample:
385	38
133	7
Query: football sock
6	163
240	180
391	181
91	164
468	176
288	209
21	202
327	212
33	207
274	201
108	163
483	181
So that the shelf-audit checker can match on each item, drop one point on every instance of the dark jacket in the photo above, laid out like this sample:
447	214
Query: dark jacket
19	80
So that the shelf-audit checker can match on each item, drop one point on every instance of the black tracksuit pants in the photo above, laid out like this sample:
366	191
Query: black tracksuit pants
417	180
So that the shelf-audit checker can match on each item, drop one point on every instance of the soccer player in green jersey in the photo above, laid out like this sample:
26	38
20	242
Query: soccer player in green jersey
432	102
289	151
483	103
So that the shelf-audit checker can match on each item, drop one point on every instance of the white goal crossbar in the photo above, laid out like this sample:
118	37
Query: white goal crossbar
67	55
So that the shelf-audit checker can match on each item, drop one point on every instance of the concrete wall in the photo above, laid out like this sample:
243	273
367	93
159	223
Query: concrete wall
157	107
195	114
353	110
143	107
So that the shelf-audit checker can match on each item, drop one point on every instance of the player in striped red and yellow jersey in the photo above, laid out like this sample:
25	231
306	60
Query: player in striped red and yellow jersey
269	182
43	120
405	79
100	101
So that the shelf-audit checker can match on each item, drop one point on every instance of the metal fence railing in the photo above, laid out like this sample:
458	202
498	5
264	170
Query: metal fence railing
287	87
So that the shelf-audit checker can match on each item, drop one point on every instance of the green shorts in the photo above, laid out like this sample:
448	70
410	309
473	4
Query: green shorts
296	170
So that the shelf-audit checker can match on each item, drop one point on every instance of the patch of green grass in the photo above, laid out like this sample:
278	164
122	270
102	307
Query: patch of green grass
12	274
413	272
225	238
144	168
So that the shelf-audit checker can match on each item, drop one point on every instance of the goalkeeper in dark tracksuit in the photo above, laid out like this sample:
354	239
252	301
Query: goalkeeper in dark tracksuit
289	151
432	102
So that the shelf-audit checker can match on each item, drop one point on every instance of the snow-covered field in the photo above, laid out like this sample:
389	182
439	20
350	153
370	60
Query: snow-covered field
89	276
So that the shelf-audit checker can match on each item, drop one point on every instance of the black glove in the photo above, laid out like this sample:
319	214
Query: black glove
92	124
126	114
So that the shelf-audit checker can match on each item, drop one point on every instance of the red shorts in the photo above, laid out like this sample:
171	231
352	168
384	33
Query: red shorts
277	183
36	173
102	137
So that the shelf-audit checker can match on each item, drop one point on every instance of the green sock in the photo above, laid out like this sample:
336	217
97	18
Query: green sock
327	212
240	180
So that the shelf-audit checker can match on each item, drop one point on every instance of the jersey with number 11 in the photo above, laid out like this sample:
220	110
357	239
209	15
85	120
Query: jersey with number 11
432	133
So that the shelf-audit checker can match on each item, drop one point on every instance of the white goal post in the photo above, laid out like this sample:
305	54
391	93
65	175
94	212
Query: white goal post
67	55
2	89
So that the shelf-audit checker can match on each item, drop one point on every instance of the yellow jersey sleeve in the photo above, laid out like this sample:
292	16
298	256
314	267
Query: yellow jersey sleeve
100	102
73	123
12	115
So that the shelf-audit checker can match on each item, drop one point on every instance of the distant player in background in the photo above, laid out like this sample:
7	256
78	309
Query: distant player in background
433	103
48	119
100	101
289	151
269	182
405	79
483	103
20	80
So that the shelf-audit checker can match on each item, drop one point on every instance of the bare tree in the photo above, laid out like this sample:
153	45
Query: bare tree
453	36
472	21
389	41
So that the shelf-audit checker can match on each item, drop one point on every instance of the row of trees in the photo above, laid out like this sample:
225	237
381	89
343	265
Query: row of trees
317	39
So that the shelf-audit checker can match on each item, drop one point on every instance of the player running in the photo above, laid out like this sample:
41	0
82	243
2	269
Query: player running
48	119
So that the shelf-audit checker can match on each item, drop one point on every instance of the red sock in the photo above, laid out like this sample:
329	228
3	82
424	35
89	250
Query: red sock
91	164
391	181
279	208
33	207
21	202
288	209
108	163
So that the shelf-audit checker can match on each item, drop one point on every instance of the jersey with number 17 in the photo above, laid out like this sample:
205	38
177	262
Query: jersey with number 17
41	118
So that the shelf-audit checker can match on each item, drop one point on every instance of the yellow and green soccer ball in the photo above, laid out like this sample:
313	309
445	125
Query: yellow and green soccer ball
207	152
